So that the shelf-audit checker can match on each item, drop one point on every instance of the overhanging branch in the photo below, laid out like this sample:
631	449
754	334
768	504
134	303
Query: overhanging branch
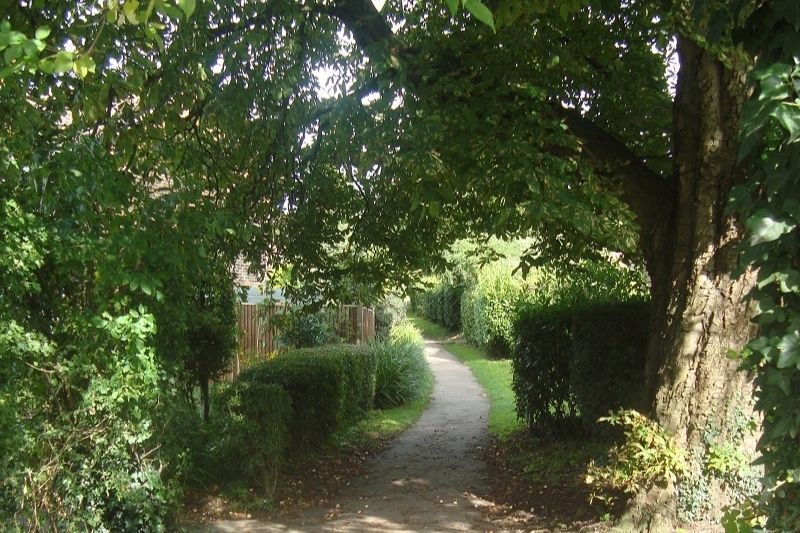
649	194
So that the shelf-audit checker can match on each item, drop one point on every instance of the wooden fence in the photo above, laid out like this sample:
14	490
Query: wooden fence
355	324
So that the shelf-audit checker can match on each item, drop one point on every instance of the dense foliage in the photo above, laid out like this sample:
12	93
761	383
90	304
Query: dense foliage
144	143
646	456
401	369
105	331
542	350
248	437
488	307
606	369
305	329
389	312
768	204
328	386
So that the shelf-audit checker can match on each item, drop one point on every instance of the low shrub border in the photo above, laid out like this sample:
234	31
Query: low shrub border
328	386
401	367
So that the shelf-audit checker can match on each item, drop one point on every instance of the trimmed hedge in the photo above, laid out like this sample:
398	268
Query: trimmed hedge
541	362
249	432
573	365
328	387
358	366
442	305
609	344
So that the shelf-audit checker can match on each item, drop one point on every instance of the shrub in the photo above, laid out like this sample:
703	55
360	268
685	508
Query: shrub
542	350
327	386
94	463
358	369
299	329
249	432
401	367
441	304
609	343
388	313
488	309
647	456
406	333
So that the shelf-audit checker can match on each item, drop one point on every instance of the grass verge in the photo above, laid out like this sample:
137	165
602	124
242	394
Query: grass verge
430	330
382	424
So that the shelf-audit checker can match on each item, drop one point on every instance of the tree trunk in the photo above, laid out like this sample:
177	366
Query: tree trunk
699	309
204	396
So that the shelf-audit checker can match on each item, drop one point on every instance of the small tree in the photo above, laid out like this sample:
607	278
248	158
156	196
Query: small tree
211	330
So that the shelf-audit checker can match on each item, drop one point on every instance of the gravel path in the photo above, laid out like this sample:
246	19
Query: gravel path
424	482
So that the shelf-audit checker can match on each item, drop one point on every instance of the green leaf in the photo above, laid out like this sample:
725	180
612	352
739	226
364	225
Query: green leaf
764	227
12	53
111	16
479	10
42	32
789	117
129	9
453	6
187	6
62	62
83	66
31	47
171	11
789	351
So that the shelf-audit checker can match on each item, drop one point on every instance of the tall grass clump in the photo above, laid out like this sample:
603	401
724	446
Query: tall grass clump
402	371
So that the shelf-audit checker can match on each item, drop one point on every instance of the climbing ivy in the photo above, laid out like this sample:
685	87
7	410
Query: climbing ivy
769	204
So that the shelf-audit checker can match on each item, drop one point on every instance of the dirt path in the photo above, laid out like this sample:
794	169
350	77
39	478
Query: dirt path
425	481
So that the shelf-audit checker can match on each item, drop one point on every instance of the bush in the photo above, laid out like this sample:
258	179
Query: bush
388	313
328	386
249	432
406	333
647	456
442	305
358	369
298	329
488	309
402	370
609	343
541	361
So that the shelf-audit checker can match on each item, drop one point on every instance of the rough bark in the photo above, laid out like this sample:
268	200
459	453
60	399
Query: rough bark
700	312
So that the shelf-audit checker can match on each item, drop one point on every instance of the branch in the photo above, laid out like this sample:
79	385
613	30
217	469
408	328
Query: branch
362	18
650	195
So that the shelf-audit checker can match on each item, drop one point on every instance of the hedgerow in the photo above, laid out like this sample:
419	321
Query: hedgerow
488	308
248	434
607	359
328	386
542	352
